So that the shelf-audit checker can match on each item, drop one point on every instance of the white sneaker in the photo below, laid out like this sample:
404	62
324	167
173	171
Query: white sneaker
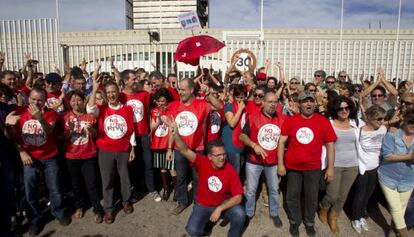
357	226
156	196
364	224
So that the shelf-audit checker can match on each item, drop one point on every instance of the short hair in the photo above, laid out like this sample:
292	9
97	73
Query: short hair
190	82
171	75
40	90
268	91
294	97
213	86
157	74
260	87
322	72
125	74
309	84
382	89
77	93
6	91
375	111
76	72
110	83
214	143
330	77
336	104
6	72
349	86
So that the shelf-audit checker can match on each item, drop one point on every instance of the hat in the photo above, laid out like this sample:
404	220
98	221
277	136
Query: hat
261	76
53	77
305	95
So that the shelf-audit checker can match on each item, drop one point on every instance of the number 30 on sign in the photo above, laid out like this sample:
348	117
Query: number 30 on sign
245	59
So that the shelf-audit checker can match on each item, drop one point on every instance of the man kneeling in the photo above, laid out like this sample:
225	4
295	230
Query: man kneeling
219	192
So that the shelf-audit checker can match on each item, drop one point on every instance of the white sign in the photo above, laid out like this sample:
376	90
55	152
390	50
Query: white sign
189	20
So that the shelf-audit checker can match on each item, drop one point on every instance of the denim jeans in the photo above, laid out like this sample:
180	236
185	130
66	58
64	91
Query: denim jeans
364	188
235	159
142	164
183	170
253	172
200	217
31	184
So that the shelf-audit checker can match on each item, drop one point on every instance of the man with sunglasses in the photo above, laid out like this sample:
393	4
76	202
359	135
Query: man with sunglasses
54	94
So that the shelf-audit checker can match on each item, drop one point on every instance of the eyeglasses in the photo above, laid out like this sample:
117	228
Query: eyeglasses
317	75
380	119
377	96
346	108
330	82
312	90
258	95
342	76
295	82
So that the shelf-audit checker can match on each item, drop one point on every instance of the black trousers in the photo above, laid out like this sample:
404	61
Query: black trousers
364	188
85	177
309	181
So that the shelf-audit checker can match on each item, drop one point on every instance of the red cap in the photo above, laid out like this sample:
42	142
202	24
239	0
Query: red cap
261	76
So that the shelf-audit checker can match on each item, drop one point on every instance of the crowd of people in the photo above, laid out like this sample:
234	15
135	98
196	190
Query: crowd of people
106	137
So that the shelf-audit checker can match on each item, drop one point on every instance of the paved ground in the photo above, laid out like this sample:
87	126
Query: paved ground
153	219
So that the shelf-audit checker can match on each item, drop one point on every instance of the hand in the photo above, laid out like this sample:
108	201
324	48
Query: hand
98	65
2	57
82	65
132	154
241	105
111	62
26	159
279	65
281	170
28	57
259	151
203	87
67	69
381	73
169	121
35	112
267	63
169	155
12	119
329	175
216	214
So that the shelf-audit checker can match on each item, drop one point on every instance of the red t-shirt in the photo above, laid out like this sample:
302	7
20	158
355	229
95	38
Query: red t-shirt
191	121
32	137
215	122
80	145
252	108
139	101
115	128
174	93
265	132
239	126
306	137
215	185
159	136
53	98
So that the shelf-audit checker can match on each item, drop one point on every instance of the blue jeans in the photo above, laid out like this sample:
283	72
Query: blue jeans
183	171
253	173
235	159
31	183
409	212
201	216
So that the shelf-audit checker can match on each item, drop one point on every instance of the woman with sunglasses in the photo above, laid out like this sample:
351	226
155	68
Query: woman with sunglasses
396	170
344	121
370	140
234	113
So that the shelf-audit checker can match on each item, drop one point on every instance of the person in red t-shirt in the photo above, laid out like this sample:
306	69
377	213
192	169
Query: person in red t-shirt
190	114
81	152
306	132
139	101
37	147
116	141
159	142
220	191
261	133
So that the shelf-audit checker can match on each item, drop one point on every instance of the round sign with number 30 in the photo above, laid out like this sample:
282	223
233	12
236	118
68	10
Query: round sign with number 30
245	59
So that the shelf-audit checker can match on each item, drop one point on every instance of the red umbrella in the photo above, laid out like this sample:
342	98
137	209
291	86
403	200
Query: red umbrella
191	49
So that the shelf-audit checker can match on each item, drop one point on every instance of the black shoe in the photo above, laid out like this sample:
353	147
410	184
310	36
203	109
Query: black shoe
247	221
180	208
294	230
277	222
225	221
34	230
310	231
64	221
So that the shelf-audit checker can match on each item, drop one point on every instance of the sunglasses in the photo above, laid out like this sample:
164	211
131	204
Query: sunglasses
312	90
346	108
317	75
377	96
295	82
342	76
406	103
330	82
258	95
380	119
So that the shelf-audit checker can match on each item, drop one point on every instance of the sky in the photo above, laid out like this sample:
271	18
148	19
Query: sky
91	15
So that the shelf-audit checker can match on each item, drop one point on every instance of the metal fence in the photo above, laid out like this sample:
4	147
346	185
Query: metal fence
300	57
